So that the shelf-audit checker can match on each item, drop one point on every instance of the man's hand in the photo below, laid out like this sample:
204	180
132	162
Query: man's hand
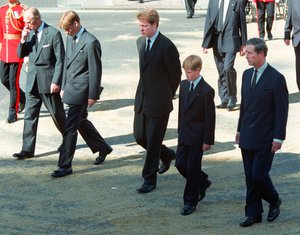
54	88
24	34
237	138
91	102
287	42
206	147
275	146
242	51
205	50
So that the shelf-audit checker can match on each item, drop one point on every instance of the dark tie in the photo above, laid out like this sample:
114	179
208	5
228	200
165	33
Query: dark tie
191	89
36	39
74	42
220	16
148	47
253	83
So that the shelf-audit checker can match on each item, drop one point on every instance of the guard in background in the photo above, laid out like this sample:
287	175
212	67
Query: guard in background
265	7
11	25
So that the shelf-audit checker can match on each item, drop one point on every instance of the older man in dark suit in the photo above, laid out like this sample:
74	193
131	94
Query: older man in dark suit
292	24
80	89
226	33
261	130
160	74
44	46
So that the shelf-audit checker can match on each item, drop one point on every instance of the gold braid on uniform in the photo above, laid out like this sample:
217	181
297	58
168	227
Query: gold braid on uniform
12	17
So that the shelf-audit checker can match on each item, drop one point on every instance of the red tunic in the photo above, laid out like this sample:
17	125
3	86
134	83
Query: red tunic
11	26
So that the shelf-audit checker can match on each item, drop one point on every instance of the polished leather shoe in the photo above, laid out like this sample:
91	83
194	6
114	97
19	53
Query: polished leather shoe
21	107
274	211
61	172
222	106
102	155
187	209
250	220
164	167
146	188
11	119
231	105
23	155
270	36
203	190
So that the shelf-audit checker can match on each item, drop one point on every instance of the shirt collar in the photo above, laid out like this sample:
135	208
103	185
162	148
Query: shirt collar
79	33
196	81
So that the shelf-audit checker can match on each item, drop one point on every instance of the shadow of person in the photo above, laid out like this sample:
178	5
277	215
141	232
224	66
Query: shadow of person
294	97
111	104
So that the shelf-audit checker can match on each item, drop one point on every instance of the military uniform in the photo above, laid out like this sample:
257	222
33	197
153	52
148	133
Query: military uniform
11	26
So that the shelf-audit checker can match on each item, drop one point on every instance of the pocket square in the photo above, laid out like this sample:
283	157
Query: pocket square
44	46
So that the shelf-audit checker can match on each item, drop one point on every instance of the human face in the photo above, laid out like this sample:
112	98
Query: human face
72	29
254	59
147	29
12	1
192	75
31	22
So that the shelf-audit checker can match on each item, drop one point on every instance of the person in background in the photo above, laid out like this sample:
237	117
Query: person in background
11	26
44	46
261	130
196	131
160	74
81	88
226	33
190	8
265	7
292	24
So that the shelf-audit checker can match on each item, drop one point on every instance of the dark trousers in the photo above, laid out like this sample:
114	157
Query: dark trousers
10	76
189	164
149	133
227	74
297	54
190	7
257	166
34	102
77	121
262	9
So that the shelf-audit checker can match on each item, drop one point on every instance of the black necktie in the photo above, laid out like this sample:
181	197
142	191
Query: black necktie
148	47
220	16
74	42
191	89
36	39
253	83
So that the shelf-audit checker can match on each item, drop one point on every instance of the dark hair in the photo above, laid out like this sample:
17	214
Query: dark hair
259	45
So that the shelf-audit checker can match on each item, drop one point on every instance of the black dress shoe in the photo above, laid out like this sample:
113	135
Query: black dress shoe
250	220
222	106
102	155
164	167
187	209
231	105
203	190
21	107
11	119
59	148
274	211
146	188
270	36
189	16
23	155
61	172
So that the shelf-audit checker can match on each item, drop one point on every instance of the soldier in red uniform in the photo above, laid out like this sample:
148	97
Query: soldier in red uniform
265	7
11	26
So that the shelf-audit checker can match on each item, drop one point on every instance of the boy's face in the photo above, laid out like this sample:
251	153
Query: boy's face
192	75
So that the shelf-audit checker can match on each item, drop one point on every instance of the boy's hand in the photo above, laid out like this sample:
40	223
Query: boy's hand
206	147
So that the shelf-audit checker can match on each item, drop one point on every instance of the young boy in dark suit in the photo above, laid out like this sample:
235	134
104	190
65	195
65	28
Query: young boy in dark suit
196	128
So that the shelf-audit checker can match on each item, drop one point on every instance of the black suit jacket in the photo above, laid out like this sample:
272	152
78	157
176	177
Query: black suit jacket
46	61
234	33
196	119
82	70
264	111
160	75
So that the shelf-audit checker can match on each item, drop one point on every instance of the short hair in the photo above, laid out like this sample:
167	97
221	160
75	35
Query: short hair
33	12
68	18
259	45
150	15
192	62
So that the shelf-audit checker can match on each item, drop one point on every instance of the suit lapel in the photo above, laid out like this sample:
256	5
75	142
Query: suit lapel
196	92
41	42
77	48
152	51
231	6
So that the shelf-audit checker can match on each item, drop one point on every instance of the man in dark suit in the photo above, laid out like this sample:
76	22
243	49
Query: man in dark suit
44	46
261	130
226	33
160	74
196	129
190	8
292	24
265	7
80	89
